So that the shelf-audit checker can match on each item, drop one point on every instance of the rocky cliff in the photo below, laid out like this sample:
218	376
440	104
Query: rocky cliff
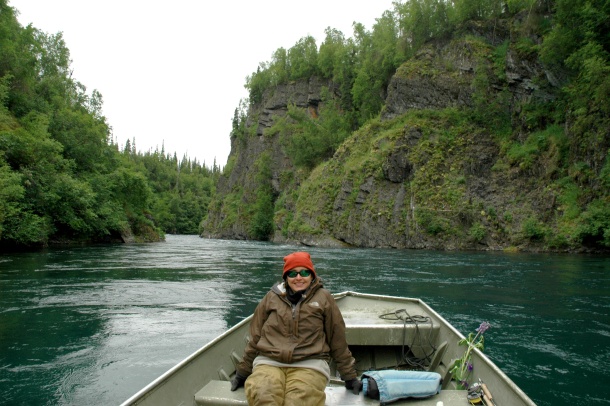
426	174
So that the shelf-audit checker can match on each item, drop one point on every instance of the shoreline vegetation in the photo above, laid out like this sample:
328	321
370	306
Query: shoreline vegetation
467	125
63	177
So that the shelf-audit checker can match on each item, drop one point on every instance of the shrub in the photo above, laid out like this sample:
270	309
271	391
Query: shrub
431	222
595	223
533	229
477	232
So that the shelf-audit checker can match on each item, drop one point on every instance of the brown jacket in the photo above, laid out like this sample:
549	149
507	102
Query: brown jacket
311	329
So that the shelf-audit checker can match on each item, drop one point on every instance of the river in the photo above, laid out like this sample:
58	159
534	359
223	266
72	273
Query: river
92	325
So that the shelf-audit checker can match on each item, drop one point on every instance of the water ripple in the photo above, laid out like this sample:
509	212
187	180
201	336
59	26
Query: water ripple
101	322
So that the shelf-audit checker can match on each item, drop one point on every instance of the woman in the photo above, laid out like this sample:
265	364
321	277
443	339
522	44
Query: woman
295	330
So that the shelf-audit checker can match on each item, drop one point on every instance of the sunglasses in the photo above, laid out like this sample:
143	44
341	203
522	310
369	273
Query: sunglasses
304	273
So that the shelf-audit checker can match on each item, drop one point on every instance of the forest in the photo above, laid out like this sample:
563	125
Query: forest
63	178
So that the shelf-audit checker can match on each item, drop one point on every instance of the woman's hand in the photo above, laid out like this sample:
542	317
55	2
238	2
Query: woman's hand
354	384
237	382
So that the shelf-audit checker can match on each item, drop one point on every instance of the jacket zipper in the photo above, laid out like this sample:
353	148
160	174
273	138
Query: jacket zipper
295	318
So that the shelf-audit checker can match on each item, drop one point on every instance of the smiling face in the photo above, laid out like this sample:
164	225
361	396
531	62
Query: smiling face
299	282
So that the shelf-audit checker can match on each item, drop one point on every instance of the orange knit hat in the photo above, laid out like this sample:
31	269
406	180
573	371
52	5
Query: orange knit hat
295	259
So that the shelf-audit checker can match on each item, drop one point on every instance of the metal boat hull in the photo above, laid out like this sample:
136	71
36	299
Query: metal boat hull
376	342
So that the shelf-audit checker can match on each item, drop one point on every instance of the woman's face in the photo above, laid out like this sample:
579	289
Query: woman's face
299	282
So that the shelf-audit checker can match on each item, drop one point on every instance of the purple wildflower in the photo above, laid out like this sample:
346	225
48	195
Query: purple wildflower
469	366
483	327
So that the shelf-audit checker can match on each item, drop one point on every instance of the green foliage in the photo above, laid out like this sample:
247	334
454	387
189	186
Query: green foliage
366	98
463	366
515	6
279	68
465	10
526	154
11	195
534	229
239	120
605	173
420	21
261	225
310	140
27	228
82	135
330	55
595	223
491	109
499	60
477	232
231	207
303	59
380	58
431	221
580	44
131	188
577	25
61	176
363	65
258	82
182	190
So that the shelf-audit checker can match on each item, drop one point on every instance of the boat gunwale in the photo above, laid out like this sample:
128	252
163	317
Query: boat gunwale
142	393
159	381
524	397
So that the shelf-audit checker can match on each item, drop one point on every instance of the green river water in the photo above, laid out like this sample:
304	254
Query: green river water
93	325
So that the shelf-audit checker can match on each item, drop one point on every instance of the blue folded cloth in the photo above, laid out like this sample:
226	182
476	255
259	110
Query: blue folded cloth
393	385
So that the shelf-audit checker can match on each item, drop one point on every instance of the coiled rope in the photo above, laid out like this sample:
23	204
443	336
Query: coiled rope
411	359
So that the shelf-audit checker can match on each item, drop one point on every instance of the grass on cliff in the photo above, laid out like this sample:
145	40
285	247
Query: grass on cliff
437	184
536	199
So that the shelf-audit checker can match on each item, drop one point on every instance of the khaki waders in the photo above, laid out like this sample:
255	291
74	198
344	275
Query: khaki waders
269	385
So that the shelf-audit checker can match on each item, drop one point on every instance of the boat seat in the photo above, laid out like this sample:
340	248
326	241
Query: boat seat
218	393
371	330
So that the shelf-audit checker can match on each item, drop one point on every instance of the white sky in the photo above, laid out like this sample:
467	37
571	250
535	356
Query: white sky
173	72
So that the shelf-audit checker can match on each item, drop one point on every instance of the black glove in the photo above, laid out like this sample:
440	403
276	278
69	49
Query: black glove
354	384
237	382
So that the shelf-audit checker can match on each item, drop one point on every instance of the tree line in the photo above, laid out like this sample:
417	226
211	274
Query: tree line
572	37
62	176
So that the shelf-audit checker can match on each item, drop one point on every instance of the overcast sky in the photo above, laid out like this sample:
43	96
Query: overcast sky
173	72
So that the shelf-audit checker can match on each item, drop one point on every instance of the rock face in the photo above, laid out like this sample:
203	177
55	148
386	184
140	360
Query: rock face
457	195
240	179
303	94
413	88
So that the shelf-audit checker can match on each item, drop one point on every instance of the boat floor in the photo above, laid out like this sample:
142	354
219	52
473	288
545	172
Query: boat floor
218	393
